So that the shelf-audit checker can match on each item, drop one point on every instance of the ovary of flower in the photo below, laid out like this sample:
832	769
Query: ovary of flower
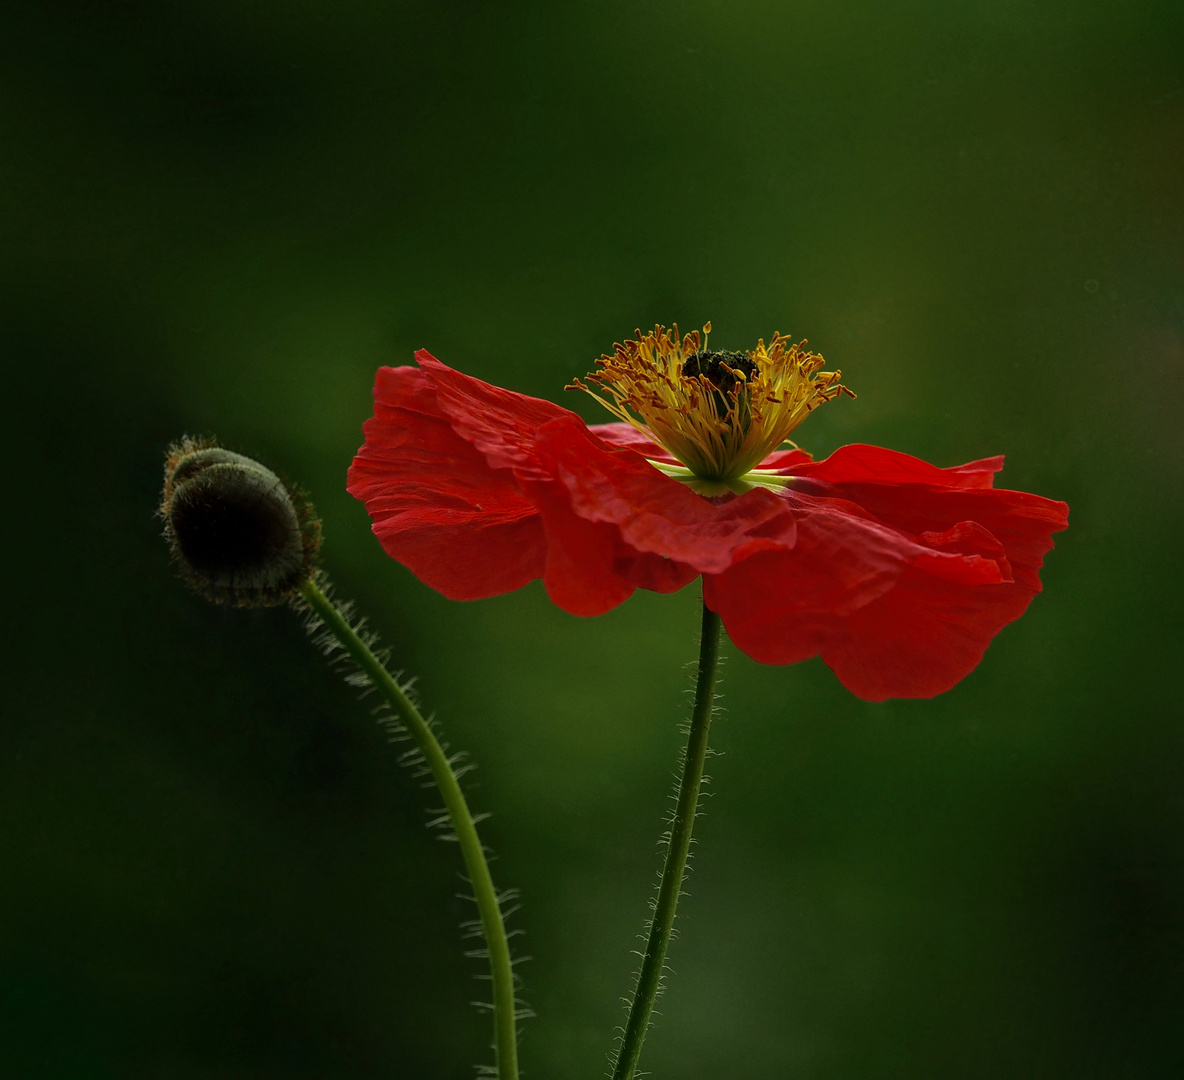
719	425
770	479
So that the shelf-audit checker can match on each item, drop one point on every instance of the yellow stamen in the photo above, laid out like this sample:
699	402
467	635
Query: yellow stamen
725	419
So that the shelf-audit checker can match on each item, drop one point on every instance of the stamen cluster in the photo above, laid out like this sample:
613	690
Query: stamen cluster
719	413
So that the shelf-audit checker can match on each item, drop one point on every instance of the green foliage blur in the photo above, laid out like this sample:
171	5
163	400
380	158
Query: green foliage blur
221	218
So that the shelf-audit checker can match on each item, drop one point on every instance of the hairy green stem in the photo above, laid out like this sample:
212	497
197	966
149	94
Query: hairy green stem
501	968
674	870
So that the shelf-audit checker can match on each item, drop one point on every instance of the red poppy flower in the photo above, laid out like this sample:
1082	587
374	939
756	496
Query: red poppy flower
896	572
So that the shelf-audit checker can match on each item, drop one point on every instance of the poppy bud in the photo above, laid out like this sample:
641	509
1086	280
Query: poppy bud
237	532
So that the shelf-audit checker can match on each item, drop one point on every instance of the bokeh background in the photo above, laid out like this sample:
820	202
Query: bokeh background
221	218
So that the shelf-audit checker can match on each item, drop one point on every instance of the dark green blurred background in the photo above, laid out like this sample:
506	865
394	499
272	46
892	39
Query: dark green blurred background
221	218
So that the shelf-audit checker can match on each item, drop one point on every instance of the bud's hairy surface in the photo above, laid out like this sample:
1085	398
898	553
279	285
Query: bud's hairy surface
238	533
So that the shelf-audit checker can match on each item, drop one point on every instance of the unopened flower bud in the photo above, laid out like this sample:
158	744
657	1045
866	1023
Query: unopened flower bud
237	532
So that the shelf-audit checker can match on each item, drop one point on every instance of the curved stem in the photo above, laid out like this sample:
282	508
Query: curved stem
505	1028
673	871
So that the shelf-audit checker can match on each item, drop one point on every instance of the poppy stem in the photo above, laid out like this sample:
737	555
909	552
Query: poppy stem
649	980
501	966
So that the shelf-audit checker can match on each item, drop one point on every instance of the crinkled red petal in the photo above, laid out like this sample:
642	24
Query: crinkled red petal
923	636
900	585
464	492
940	498
462	527
627	437
783	606
501	424
655	513
785	460
859	462
653	572
581	574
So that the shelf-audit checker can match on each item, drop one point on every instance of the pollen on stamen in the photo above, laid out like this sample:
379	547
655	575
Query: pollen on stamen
719	412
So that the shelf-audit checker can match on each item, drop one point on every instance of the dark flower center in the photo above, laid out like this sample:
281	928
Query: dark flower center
720	368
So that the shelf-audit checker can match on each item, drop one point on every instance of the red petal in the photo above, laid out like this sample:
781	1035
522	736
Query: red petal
902	598
983	557
654	572
939	499
783	606
859	462
885	631
655	513
785	460
627	437
924	636
501	424
463	528
451	476
581	573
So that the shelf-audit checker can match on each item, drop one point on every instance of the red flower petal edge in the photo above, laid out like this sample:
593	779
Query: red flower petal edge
897	573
